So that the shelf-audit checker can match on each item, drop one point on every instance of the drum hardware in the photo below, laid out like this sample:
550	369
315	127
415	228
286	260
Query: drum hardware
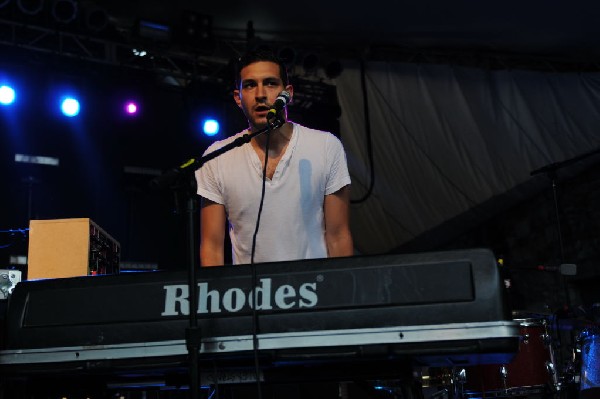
534	372
443	394
551	369
503	375
551	363
440	382
570	374
531	372
431	377
460	376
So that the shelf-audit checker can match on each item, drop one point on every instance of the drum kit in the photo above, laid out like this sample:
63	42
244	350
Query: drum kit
557	359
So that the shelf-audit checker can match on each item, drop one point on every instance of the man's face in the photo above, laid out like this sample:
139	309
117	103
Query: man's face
260	85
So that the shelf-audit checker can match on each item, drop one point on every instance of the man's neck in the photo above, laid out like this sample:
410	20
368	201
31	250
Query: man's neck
278	139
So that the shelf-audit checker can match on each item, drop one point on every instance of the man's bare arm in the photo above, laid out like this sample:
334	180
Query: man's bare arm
336	207
212	233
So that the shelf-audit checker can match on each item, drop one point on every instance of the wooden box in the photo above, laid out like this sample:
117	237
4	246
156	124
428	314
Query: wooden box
69	248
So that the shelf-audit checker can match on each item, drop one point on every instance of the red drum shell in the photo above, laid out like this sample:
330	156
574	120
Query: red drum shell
527	369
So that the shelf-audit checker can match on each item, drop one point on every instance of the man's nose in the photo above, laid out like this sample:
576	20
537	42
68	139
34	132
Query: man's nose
261	92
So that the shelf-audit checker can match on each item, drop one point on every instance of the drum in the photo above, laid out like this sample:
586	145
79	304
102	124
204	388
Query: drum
590	363
531	370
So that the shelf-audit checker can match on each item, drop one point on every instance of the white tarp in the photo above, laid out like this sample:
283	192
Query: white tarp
448	138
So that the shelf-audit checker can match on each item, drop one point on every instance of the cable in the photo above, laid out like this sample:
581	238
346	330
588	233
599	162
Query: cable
254	277
363	85
262	198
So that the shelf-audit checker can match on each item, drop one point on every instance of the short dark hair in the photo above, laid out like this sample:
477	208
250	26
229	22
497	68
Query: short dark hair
256	56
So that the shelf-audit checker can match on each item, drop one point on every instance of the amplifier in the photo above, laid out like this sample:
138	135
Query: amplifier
70	248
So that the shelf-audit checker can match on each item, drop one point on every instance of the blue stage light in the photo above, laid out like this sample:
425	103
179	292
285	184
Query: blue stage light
7	95
210	127
70	107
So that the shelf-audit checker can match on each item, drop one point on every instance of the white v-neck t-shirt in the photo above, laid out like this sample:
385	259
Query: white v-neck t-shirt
292	222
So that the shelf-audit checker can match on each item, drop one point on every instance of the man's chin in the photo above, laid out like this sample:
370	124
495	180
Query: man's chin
259	124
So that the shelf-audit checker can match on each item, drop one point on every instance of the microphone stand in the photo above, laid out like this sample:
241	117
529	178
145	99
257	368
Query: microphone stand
551	172
193	336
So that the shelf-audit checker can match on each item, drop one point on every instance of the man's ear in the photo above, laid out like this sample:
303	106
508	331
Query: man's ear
237	98
290	89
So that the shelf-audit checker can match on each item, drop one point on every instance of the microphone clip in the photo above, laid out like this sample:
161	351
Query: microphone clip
275	120
275	116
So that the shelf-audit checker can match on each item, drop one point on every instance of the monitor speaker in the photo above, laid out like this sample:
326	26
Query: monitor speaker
70	248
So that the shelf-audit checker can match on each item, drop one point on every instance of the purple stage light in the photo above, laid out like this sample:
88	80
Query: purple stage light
131	108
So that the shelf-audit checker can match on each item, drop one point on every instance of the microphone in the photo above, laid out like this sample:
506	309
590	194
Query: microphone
281	101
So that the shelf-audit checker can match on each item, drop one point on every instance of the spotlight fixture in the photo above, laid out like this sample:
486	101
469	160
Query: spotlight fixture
64	11
196	30
196	26
95	18
139	53
30	7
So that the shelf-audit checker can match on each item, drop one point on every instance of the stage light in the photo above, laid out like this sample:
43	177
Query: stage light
70	107
96	19
131	108
7	95
210	127
37	159
30	7
195	26
139	53
196	30
64	11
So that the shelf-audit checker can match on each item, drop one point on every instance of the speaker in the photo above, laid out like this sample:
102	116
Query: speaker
70	248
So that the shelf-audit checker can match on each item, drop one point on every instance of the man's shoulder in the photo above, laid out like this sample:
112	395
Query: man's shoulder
215	145
315	134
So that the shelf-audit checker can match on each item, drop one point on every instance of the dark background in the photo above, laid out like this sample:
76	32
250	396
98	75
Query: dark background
108	159
191	74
